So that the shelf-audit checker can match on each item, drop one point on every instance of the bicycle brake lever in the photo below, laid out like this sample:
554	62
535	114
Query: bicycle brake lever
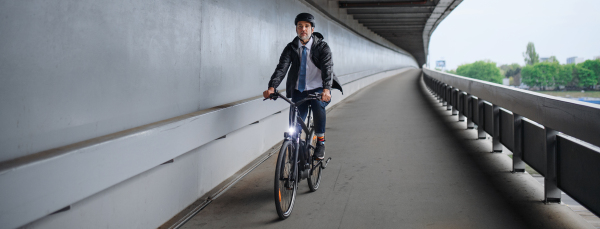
318	96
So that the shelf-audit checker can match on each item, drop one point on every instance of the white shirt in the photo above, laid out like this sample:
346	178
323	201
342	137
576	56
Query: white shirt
313	74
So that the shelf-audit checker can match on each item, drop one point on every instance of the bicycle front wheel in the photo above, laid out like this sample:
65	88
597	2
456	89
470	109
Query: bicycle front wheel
314	178
285	188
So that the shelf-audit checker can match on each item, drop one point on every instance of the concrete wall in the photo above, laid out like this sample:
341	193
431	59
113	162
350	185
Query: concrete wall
72	71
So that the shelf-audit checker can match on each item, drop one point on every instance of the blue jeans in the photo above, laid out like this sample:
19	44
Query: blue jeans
317	107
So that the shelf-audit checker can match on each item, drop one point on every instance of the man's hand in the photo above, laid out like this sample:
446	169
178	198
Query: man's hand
270	91
326	95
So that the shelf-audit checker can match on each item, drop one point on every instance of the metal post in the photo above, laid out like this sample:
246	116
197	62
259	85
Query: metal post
497	146
430	83
551	191
470	124
454	101
445	95
437	91
480	109
518	164
449	98
461	106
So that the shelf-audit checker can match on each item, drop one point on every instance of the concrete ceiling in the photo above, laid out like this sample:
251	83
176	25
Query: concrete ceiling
408	24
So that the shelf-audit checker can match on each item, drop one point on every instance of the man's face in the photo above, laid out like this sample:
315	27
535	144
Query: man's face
304	30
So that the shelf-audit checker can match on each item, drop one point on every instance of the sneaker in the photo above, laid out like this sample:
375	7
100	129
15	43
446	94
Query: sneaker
320	151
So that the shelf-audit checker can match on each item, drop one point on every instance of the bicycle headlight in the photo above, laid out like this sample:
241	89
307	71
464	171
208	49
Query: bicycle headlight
292	130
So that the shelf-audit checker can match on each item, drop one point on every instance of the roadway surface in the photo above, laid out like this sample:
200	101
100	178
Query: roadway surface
400	160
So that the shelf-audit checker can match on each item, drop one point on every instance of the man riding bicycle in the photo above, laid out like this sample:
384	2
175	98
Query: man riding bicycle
310	59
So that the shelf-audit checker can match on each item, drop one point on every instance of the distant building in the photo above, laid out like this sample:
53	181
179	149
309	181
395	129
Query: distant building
506	81
597	58
574	60
544	59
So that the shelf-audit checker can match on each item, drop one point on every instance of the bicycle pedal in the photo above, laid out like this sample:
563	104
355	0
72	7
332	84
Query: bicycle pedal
324	165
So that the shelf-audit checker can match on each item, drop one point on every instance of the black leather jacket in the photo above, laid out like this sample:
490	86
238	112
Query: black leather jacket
320	55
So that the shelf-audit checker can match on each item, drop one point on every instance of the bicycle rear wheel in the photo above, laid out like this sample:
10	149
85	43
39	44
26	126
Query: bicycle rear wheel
314	178
285	190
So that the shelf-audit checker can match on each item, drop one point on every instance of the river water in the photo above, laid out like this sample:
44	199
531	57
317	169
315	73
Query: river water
588	99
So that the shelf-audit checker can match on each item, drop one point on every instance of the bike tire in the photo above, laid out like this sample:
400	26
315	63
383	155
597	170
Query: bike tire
314	177
284	197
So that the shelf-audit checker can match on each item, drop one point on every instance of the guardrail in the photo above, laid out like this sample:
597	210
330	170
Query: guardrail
557	137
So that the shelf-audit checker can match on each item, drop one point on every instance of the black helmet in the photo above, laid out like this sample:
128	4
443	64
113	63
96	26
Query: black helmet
305	17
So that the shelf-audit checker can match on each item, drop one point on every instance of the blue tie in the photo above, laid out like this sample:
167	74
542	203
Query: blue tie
302	79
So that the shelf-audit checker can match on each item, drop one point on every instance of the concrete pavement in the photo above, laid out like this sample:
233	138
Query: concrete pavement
400	160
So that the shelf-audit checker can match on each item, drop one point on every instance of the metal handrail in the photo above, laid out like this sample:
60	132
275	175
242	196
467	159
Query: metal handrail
557	137
575	118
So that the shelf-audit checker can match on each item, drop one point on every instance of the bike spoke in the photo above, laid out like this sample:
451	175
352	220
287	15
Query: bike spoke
285	186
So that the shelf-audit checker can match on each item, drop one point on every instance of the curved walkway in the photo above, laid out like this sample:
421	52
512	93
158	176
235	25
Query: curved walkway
400	160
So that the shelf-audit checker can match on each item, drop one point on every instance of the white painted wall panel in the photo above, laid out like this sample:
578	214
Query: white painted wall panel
150	199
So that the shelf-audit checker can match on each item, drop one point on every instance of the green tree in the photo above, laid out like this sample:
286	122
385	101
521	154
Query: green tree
504	68
542	74
593	65
548	71
451	71
531	57
585	77
513	70
483	70
565	75
531	76
553	59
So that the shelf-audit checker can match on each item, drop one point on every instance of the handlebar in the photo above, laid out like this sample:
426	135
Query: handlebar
276	95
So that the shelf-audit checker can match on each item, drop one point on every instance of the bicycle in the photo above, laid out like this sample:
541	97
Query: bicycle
294	148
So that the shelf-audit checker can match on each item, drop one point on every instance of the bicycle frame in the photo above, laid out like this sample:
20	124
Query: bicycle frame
295	136
295	139
295	160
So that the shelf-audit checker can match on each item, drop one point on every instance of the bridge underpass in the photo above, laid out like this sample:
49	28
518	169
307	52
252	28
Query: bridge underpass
400	160
119	115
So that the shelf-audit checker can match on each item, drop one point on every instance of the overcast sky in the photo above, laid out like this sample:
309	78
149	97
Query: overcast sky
499	30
